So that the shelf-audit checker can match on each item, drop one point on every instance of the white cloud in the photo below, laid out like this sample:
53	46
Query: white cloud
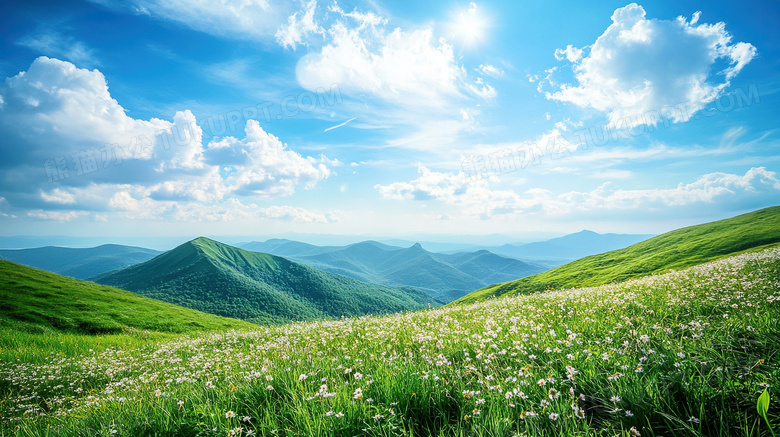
638	65
244	19
612	174
74	145
297	30
51	42
57	109
58	195
480	88
296	215
707	188
60	216
262	165
490	70
477	198
455	189
571	53
405	67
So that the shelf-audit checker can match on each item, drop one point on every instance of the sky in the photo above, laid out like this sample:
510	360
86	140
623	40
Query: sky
385	118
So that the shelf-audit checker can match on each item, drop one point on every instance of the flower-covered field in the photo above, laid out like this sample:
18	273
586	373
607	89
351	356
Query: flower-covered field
685	353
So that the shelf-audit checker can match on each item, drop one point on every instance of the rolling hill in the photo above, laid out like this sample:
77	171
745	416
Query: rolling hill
209	276
35	301
444	276
673	250
79	263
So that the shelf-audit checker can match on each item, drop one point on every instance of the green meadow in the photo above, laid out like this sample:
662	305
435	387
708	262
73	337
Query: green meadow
686	353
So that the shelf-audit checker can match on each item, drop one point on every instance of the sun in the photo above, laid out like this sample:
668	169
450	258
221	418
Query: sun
467	28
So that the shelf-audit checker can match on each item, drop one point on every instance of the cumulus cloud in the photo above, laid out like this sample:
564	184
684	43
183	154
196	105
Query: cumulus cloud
639	64
394	65
67	145
364	56
707	188
478	198
261	164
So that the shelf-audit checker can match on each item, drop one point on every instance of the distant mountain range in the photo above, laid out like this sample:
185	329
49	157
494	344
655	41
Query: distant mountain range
445	276
79	263
673	250
569	247
209	276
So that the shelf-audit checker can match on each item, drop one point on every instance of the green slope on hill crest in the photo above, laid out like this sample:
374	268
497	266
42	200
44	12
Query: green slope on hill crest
209	276
673	250
35	301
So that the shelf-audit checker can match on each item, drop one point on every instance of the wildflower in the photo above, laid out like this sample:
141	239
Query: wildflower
302	377
634	432
629	413
269	387
553	394
329	413
553	416
693	419
339	414
246	418
615	399
358	394
230	415
358	376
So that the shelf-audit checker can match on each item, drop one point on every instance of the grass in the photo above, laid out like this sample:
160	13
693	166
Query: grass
686	354
42	311
674	250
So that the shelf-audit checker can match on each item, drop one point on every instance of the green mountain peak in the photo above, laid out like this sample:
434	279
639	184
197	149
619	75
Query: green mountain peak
213	277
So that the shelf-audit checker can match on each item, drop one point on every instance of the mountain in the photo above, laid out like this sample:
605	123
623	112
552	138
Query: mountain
35	301
673	250
79	263
209	276
561	250
445	276
287	248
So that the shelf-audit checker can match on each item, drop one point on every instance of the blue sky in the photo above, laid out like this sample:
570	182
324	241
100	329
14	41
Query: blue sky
440	118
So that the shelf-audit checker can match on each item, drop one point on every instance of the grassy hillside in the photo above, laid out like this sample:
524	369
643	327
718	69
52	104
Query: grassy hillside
219	279
36	301
684	354
79	263
43	313
673	250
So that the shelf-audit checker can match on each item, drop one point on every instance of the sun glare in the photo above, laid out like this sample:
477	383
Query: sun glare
467	27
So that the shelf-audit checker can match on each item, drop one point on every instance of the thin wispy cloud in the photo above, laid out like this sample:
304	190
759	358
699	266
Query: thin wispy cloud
339	125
